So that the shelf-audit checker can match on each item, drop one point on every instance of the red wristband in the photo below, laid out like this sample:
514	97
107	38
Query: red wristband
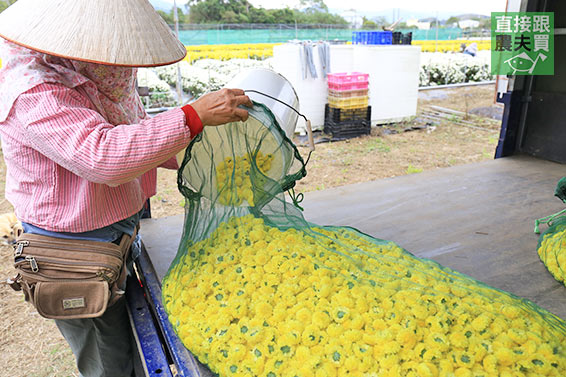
192	120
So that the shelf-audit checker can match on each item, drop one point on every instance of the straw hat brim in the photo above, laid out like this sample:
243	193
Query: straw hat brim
113	32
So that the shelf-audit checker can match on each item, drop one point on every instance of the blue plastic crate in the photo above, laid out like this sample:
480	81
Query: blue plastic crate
355	38
385	37
372	37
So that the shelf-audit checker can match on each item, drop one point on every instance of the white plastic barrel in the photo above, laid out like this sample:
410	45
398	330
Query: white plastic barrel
266	81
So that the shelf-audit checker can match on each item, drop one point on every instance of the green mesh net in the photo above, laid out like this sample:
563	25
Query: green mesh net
551	246
256	290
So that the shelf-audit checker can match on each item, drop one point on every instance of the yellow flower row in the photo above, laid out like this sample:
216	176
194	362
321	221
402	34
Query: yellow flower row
241	46
264	50
450	45
256	300
231	51
552	252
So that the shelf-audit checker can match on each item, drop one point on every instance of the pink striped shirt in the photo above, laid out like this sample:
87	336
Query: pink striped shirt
69	170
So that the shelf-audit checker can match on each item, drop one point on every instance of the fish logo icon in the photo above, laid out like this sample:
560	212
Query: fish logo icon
524	63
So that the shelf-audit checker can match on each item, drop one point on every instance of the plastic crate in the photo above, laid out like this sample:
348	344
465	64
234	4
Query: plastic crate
348	81
348	103
385	37
360	37
346	130
347	93
397	38
348	85
346	77
337	115
402	39
372	37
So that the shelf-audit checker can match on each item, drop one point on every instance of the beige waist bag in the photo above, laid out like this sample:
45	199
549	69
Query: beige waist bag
66	279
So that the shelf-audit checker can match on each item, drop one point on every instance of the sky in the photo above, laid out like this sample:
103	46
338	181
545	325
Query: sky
374	6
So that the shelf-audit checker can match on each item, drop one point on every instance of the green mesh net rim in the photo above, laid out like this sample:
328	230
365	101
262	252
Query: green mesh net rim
558	225
287	182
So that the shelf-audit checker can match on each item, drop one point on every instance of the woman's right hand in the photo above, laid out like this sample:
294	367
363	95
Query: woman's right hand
221	107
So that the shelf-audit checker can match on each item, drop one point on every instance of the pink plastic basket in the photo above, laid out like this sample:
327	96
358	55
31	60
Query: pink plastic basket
348	81
346	77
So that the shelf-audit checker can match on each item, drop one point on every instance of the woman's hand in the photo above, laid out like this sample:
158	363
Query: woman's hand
221	107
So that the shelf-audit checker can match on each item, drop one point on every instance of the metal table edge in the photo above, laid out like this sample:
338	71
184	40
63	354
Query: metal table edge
153	358
184	361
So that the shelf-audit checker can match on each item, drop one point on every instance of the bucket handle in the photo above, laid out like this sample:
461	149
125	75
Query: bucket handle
308	122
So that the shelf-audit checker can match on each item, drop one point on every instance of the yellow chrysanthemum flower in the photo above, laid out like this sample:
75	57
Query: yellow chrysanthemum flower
255	300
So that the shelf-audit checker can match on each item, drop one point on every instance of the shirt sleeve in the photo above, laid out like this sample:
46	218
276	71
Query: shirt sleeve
170	164
58	122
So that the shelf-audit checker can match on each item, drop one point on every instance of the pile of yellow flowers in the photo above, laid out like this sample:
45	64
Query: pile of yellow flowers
233	177
256	300
230	51
552	252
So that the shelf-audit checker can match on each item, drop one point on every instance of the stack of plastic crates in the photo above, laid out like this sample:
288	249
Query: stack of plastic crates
347	113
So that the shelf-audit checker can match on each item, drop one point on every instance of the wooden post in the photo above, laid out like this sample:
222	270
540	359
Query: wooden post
179	79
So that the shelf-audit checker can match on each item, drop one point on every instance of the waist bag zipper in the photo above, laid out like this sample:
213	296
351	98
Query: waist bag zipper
54	262
32	263
19	248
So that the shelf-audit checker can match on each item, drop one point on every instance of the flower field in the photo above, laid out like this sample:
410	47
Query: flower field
231	51
207	74
438	68
265	50
160	90
210	67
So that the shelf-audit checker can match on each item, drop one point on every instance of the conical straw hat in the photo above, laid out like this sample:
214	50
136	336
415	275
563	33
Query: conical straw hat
114	32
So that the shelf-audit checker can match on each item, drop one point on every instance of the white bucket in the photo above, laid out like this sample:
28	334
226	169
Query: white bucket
275	85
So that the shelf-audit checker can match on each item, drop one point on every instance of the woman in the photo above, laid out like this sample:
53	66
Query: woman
79	148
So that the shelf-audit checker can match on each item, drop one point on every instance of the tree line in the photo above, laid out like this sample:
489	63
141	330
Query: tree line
5	4
243	12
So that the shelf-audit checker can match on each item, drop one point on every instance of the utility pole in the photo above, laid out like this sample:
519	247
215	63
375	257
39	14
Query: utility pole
436	43
179	80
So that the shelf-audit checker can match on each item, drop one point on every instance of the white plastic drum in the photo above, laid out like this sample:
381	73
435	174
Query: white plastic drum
275	85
